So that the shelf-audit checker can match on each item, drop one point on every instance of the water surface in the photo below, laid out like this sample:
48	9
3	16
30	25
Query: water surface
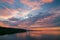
33	35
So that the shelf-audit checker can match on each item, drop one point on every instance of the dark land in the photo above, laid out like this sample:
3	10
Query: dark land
4	31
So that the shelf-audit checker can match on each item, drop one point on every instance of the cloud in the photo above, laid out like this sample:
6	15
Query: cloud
45	22
30	4
55	10
22	12
35	4
3	24
49	21
8	1
47	1
7	13
46	19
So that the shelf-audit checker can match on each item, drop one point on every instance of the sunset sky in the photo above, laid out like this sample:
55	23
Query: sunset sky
29	13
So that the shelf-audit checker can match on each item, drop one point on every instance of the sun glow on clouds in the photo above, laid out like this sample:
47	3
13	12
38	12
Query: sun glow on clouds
20	13
25	13
8	13
34	5
47	1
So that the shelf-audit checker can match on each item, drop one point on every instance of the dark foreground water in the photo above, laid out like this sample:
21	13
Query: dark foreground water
33	35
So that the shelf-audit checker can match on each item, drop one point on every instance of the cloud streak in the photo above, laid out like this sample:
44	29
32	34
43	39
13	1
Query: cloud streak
46	19
35	4
8	1
7	13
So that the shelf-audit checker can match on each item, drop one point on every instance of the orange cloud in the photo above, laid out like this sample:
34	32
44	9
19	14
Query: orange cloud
47	1
8	13
3	24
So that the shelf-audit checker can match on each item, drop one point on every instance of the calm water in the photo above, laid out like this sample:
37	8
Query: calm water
33	35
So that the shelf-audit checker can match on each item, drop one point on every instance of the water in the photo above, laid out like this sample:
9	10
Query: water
33	35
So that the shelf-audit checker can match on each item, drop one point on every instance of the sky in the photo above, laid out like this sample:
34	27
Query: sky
29	13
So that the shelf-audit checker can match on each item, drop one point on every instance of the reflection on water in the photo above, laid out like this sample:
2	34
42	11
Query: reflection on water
33	35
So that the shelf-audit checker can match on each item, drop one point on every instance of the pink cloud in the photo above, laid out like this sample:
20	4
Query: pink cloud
3	24
45	22
9	1
55	10
30	4
7	13
35	4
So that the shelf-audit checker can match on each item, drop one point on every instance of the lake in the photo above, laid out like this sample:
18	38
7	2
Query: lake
32	35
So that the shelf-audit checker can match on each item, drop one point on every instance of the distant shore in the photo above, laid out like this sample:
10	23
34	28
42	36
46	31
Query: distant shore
4	30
